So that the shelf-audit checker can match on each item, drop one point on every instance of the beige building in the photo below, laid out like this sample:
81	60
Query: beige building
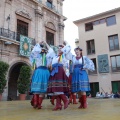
41	20
99	37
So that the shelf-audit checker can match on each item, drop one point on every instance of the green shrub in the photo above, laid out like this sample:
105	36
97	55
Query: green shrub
24	79
3	70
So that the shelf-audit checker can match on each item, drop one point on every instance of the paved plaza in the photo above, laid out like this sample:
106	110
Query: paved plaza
99	109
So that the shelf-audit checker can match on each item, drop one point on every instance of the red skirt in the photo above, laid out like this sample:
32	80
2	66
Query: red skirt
58	82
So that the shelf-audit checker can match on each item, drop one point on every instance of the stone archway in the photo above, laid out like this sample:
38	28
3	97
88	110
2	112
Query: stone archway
13	77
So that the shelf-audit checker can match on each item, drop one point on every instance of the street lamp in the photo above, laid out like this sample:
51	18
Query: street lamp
8	19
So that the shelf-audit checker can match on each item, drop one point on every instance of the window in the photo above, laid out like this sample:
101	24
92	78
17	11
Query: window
49	3
50	38
22	29
90	47
96	22
111	20
88	26
93	72
113	42
102	21
115	63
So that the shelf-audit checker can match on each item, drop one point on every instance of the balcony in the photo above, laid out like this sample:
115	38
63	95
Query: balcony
40	1
12	35
50	6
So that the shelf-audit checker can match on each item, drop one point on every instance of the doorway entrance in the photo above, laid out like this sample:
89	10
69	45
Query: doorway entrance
13	77
115	86
94	88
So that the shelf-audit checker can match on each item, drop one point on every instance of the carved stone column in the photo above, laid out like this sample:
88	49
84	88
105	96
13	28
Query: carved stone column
38	25
61	32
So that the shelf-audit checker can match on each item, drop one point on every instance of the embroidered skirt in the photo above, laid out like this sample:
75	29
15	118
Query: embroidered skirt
40	80
80	80
58	82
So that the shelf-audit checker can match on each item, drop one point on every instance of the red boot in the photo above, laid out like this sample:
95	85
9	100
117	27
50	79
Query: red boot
52	100
74	99
70	99
84	98
81	103
40	102
58	104
35	100
64	99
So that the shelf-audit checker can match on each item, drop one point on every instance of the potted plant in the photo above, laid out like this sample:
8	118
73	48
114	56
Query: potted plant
23	81
3	70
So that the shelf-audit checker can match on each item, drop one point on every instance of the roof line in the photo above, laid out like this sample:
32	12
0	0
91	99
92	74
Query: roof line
97	15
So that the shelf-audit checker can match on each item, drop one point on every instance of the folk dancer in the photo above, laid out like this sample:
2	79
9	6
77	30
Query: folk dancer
80	80
40	59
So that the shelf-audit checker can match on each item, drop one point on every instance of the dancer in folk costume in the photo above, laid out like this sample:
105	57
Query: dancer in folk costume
80	80
40	59
72	96
58	82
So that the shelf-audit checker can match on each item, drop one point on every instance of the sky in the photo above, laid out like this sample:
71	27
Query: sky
78	9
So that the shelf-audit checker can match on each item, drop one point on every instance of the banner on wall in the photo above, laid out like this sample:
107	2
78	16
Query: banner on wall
25	46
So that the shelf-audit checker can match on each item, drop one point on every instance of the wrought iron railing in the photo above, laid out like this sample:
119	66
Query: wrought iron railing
51	6
12	35
7	33
40	1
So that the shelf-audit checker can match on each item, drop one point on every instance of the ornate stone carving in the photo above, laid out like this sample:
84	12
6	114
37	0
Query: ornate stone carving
61	25
50	25
38	13
9	1
24	13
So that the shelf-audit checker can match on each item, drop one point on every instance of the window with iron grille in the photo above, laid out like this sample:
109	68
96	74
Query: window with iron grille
22	27
115	63
113	42
90	47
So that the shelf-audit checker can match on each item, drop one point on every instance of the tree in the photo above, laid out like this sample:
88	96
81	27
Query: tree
24	79
3	70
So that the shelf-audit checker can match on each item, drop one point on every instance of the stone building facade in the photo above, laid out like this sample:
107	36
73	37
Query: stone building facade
41	20
99	37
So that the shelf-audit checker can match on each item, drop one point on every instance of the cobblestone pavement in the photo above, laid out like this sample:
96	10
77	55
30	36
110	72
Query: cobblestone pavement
98	109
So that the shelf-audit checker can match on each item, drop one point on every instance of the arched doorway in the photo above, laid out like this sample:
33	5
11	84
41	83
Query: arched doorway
13	77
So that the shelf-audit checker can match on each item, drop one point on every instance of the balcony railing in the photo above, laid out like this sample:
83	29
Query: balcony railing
7	33
51	6
12	35
40	1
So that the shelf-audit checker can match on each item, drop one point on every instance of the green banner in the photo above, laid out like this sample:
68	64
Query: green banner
25	46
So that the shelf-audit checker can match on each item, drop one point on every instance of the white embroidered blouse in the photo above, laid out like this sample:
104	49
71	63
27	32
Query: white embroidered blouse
88	64
38	58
